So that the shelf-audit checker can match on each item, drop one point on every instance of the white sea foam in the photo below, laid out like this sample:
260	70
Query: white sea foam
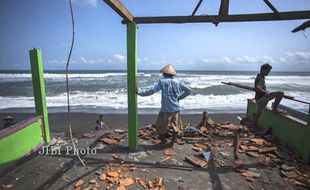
118	100
91	91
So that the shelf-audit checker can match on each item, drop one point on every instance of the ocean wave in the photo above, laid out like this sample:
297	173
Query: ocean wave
109	90
118	100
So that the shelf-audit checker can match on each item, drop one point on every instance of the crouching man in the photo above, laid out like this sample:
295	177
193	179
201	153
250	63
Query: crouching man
262	96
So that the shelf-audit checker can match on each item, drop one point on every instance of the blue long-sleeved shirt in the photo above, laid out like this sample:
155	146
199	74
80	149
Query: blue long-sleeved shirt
172	90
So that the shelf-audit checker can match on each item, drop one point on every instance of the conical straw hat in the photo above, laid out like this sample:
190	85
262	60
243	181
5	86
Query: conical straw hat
168	69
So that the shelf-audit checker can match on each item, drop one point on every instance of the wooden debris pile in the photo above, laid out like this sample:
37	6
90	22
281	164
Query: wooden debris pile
113	138
120	176
147	133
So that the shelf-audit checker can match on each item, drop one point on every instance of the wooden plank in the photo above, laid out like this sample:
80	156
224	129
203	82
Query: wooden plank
271	7
120	9
293	15
196	8
224	8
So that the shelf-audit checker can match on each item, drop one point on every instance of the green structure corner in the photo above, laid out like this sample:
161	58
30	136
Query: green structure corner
289	130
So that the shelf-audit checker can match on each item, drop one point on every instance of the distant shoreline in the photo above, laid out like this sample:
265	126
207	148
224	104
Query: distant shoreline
121	71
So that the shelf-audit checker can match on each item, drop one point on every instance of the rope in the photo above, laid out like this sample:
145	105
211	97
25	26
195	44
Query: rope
67	86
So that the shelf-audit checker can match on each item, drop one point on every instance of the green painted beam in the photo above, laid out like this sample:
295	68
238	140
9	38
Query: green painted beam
131	85
19	143
39	88
286	128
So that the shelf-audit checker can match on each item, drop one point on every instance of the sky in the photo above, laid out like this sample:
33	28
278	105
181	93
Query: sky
100	38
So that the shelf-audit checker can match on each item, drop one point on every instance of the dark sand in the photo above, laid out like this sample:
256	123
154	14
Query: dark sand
63	170
84	122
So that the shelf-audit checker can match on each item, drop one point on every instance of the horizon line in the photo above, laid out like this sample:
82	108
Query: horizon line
152	70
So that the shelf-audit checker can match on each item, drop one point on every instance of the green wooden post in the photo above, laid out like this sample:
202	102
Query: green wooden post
39	88
131	85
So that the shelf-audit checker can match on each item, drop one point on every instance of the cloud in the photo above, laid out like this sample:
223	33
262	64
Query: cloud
56	62
92	3
221	60
91	61
119	57
299	56
246	59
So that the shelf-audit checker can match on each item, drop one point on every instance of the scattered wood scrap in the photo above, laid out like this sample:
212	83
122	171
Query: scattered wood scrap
196	161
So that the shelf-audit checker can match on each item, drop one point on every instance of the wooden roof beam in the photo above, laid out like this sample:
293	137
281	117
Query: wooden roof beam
271	7
196	8
118	7
293	15
224	8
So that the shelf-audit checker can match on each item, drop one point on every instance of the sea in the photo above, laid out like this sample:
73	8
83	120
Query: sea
105	92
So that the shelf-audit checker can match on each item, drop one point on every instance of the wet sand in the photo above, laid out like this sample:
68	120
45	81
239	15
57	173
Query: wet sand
84	122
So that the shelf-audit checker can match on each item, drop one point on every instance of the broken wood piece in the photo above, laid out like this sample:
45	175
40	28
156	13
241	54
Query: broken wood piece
193	139
112	174
142	183
121	188
103	177
8	186
243	147
196	161
287	168
230	144
126	182
267	149
169	152
301	184
258	141
165	159
150	184
236	147
92	181
79	183
112	180
289	174
120	131
204	120
204	147
89	135
253	154
109	141
250	174
159	181
197	149
230	126
252	148
155	142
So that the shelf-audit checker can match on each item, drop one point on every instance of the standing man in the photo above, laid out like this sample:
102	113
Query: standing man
262	96
172	90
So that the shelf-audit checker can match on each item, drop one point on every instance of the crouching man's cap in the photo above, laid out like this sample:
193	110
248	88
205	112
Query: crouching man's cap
168	69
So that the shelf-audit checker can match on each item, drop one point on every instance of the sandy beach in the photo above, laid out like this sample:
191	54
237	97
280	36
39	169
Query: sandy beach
85	122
